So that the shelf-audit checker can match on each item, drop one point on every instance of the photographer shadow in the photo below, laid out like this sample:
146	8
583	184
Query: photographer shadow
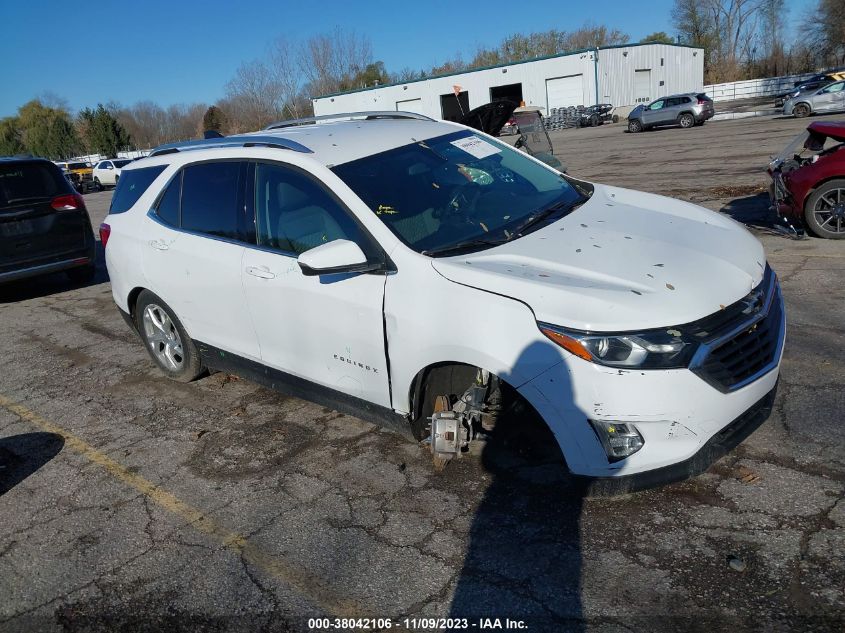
22	455
523	561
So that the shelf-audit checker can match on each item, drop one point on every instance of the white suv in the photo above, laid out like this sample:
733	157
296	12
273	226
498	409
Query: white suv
107	172
427	276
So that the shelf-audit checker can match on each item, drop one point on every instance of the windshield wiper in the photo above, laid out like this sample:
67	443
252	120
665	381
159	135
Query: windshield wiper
541	216
464	246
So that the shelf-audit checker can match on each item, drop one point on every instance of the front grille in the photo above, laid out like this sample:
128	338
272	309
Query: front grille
750	349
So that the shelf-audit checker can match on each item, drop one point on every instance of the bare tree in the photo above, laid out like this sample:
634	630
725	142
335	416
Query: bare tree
824	31
330	61
253	96
283	60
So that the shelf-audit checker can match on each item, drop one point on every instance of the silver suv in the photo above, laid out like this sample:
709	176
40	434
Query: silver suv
686	110
831	98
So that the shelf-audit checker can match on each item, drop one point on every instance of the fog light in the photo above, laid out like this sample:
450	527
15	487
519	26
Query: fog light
618	439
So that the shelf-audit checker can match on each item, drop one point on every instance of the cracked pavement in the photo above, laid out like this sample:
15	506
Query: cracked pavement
291	510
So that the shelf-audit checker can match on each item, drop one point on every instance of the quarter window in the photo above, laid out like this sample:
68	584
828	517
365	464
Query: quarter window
168	206
294	213
131	186
210	194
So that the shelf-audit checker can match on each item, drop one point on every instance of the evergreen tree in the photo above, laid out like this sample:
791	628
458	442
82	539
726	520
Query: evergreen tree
103	133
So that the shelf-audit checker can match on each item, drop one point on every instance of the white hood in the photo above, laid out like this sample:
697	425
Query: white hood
625	260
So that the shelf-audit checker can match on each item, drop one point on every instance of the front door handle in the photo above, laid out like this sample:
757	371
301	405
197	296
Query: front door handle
159	245
261	272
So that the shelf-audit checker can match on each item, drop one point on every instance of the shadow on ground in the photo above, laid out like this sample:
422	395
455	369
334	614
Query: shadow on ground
21	455
523	559
755	212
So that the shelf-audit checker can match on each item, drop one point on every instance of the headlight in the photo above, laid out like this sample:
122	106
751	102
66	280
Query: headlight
653	349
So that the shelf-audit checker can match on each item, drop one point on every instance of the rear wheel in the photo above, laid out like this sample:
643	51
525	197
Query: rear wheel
635	125
165	338
801	110
824	211
686	120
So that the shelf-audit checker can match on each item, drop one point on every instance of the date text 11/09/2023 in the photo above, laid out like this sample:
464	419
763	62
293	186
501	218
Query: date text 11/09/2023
416	624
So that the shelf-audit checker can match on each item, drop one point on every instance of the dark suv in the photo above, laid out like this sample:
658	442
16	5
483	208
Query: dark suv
44	225
686	110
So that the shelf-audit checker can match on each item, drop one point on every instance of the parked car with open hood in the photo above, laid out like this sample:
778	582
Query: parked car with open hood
808	179
685	110
534	139
430	277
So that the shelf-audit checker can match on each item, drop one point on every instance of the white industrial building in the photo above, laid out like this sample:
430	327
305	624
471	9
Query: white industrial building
621	75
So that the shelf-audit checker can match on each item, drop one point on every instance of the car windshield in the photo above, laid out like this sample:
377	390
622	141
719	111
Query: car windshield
459	189
78	166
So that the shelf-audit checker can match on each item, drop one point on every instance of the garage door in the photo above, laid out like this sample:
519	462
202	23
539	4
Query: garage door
642	85
411	105
562	92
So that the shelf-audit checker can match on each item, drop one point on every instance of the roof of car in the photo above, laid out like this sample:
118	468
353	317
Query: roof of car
21	158
333	142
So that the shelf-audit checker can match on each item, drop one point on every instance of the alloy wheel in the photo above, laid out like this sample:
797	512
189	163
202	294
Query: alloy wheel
163	337
829	211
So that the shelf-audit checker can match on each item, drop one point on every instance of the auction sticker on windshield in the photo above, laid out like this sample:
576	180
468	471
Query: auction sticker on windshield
476	146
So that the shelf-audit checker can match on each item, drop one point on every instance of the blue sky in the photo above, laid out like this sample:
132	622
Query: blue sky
182	52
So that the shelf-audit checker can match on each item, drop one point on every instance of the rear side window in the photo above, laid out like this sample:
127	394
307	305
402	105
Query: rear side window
210	196
168	207
28	181
131	186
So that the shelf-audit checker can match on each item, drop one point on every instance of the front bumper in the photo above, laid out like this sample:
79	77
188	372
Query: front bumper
686	417
715	448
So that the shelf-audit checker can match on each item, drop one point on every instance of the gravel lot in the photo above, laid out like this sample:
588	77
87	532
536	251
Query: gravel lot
128	501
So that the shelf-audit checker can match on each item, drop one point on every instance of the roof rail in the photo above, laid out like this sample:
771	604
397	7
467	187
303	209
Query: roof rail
367	116
238	140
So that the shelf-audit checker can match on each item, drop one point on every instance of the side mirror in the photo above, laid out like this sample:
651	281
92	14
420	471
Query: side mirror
337	256
110	167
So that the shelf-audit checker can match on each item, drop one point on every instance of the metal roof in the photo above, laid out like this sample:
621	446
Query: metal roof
505	64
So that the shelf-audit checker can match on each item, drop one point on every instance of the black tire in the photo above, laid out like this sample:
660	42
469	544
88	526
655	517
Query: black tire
824	210
116	179
595	121
686	120
173	350
82	274
98	185
635	125
801	110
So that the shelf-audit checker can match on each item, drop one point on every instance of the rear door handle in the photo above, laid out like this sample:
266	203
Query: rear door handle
160	245
261	272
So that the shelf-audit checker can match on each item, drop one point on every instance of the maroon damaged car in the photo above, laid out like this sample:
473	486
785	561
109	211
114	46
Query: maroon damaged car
808	179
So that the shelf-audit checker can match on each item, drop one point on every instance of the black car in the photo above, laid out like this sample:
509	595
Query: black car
44	225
